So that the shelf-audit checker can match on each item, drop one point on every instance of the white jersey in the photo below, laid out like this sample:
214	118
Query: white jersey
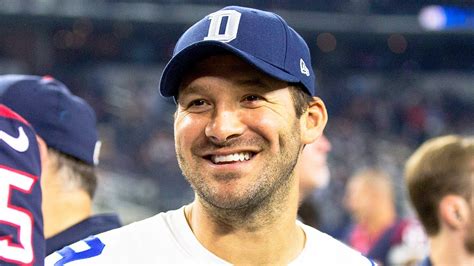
166	238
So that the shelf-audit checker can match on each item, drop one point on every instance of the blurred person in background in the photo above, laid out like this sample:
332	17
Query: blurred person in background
440	180
21	220
313	172
66	125
246	106
312	167
377	231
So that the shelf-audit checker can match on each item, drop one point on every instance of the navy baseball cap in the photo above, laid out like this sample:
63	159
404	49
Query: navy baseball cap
65	122
262	39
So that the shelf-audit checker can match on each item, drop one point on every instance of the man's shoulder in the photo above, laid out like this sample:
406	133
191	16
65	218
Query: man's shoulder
322	248
92	225
133	242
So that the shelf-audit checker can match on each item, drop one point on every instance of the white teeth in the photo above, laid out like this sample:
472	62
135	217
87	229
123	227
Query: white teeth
235	157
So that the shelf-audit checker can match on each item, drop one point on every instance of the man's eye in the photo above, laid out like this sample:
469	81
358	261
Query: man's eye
252	98
198	102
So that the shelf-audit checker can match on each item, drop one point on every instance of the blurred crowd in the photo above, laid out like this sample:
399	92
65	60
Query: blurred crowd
349	6
378	121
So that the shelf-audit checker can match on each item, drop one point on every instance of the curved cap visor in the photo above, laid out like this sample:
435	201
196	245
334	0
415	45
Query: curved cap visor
188	57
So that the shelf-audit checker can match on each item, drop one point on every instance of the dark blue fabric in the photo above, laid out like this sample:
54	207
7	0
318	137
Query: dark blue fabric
20	161
263	39
426	262
389	238
66	122
90	226
386	241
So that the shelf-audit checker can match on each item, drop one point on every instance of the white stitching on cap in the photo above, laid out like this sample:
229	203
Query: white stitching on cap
98	144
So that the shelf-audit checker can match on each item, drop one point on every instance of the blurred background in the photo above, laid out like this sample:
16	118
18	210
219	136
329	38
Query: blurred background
392	73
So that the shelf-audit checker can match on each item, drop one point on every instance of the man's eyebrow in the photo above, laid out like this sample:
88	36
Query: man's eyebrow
255	83
191	89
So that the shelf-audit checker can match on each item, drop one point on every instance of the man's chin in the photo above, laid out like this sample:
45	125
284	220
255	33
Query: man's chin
227	202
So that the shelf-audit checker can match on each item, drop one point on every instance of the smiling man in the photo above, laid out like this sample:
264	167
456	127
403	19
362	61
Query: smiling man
246	107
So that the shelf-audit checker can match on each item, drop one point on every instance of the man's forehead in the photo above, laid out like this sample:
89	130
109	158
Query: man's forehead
251	84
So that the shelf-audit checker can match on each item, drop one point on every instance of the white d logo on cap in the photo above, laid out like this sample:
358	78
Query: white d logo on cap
231	27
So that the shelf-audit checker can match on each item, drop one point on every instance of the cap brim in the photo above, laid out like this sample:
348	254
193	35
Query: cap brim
181	62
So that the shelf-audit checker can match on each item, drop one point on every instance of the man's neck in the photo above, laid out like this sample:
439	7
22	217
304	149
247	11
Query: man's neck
449	250
278	240
64	211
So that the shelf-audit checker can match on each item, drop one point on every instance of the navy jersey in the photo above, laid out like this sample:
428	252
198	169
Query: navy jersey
21	222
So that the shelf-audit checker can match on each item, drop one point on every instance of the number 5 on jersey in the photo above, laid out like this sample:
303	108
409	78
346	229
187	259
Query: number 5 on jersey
16	217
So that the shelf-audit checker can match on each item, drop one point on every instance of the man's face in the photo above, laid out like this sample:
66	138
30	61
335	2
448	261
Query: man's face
358	198
236	133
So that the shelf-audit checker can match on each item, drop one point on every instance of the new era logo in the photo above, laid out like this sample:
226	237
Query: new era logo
304	70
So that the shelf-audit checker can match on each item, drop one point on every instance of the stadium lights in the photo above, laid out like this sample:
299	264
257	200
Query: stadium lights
439	18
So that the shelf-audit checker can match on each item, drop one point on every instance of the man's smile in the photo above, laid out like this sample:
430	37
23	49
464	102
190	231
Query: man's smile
229	158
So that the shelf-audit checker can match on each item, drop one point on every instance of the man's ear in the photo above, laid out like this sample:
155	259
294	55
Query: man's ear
454	211
313	121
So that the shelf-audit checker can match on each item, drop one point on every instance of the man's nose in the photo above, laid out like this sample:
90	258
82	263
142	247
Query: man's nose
226	123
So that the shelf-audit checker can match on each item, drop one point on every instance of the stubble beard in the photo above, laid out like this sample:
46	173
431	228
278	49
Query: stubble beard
257	204
469	240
